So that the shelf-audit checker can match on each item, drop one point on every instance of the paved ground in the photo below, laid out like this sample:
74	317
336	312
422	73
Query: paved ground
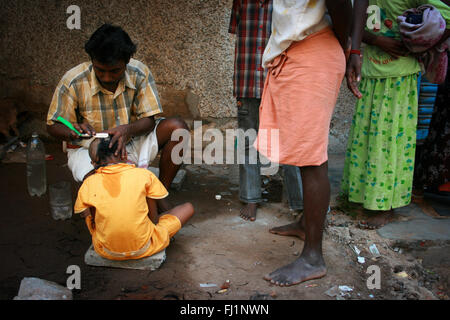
217	246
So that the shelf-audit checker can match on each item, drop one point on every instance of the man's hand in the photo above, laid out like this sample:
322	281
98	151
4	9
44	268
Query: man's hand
393	47
353	74
83	128
121	134
61	132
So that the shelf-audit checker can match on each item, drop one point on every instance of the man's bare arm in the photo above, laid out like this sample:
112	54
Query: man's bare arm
123	133
341	15
61	132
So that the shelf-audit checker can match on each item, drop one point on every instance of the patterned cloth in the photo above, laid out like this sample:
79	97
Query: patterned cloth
433	158
80	97
376	62
419	37
250	21
379	162
422	38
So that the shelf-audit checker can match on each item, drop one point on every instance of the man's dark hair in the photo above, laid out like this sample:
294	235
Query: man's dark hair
103	150
110	44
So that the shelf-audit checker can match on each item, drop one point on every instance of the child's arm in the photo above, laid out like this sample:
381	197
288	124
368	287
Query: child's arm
152	210
89	212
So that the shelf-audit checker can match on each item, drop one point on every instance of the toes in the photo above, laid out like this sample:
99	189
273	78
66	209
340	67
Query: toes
279	284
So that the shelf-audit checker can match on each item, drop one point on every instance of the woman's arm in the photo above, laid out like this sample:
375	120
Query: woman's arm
359	19
394	47
353	72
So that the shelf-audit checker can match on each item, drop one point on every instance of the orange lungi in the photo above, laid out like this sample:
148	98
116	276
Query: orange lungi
299	96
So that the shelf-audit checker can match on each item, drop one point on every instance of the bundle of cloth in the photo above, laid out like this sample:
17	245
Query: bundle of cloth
421	29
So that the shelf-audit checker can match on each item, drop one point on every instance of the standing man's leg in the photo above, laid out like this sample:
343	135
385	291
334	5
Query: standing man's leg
310	265
249	174
293	185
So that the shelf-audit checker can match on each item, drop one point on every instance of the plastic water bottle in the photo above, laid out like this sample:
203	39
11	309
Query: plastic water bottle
60	195
36	170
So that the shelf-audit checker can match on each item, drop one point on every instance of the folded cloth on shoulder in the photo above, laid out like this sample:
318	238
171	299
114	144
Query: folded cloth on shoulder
421	38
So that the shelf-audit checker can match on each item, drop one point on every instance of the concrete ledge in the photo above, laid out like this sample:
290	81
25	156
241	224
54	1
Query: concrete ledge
152	263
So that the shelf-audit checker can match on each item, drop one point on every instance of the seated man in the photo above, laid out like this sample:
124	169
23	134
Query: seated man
118	204
116	94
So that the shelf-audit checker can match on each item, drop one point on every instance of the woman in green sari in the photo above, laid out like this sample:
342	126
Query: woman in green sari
379	160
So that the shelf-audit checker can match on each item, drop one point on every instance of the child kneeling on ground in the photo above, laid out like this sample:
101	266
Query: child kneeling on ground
118	204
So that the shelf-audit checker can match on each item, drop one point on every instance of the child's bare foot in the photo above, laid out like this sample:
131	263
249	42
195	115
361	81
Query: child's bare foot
249	212
302	269
295	229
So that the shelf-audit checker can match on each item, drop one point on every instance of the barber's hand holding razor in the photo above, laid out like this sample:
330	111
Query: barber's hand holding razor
121	135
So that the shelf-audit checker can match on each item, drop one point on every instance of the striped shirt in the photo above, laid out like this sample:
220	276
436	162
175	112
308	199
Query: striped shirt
251	23
79	97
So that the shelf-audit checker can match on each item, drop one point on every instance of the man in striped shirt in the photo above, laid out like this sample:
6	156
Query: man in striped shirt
251	23
116	94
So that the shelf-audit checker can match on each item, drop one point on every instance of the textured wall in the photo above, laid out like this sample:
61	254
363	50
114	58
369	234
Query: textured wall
184	42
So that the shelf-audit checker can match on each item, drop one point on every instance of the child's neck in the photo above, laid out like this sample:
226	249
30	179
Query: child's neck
111	162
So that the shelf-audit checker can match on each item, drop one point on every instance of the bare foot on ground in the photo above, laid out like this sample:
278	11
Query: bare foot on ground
295	229
301	270
249	212
378	219
417	196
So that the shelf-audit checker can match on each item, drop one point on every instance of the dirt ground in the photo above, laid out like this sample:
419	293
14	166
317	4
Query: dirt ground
214	247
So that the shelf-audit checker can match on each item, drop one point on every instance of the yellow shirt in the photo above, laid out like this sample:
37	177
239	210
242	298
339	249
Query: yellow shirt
118	193
80	97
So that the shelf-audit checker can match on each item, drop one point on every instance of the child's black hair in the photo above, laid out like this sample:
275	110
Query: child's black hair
104	151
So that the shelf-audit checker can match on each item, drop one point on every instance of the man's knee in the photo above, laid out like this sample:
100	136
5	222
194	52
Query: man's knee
167	128
176	123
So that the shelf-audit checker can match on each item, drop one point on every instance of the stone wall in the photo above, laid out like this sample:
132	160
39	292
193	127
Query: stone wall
184	42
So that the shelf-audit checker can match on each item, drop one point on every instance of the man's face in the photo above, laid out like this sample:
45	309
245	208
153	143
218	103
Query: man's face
109	75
